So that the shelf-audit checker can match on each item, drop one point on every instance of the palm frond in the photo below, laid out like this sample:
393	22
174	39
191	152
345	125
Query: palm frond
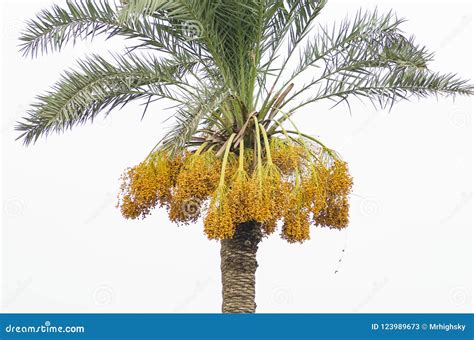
288	21
195	112
359	52
229	31
356	40
368	57
386	87
367	29
81	19
176	9
219	57
98	84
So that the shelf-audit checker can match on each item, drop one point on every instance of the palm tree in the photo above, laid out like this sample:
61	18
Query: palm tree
232	70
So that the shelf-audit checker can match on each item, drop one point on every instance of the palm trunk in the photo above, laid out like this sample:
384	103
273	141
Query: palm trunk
238	266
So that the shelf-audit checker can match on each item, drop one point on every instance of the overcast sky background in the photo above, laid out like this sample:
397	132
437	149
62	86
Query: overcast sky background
66	248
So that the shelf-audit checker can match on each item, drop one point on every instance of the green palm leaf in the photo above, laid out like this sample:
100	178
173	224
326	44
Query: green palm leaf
98	84
218	75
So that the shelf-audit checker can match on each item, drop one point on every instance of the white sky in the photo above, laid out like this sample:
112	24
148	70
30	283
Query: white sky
66	248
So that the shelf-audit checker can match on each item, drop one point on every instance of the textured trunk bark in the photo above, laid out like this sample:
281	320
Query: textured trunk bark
238	266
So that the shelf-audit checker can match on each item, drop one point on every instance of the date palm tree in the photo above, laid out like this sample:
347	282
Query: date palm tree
233	70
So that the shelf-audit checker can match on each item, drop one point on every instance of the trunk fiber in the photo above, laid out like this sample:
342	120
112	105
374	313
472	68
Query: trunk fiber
238	266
